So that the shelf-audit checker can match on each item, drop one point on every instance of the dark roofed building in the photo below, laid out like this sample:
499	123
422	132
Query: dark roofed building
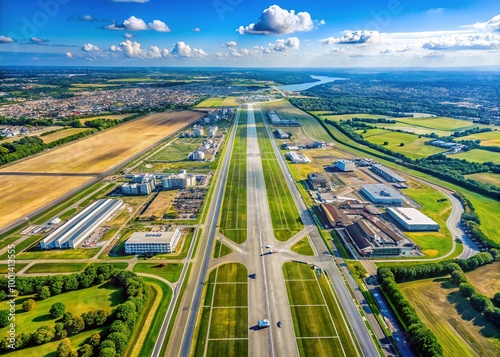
334	215
281	134
358	237
319	180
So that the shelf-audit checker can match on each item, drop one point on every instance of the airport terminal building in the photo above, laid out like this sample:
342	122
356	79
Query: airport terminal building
412	219
152	242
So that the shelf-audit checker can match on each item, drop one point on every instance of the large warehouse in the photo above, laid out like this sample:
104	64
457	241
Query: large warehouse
412	219
387	173
73	232
152	242
297	157
382	194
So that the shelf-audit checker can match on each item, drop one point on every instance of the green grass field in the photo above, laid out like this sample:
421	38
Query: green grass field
171	271
478	155
56	268
490	138
317	318
303	247
178	150
459	328
103	297
210	102
486	177
233	219
223	324
414	147
221	250
284	215
81	253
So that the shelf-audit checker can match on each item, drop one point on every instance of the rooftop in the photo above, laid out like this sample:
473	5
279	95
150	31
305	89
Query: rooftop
151	238
381	191
410	215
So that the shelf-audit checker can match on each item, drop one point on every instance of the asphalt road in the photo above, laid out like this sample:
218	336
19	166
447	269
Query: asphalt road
181	339
325	261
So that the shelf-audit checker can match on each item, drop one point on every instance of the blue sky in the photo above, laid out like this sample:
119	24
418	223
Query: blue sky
246	33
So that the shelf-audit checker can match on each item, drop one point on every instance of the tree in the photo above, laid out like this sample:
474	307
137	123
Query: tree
89	318
44	293
467	290
496	299
480	302
495	253
60	330
119	326
401	144
66	317
29	305
43	334
107	352
71	282
101	316
86	351
386	143
94	339
57	310
107	344
458	277
120	341
56	285
65	349
75	325
4	318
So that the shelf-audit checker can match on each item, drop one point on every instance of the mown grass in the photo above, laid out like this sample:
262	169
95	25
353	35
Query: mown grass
284	214
56	268
233	220
486	177
210	102
170	271
459	328
221	250
477	155
82	253
489	138
227	348
303	247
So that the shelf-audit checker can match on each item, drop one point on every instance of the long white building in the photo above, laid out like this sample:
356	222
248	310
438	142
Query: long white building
74	232
412	219
180	180
152	242
297	157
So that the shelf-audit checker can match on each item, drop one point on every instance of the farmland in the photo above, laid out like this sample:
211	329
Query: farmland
284	215
161	202
486	177
23	194
177	150
490	138
459	328
223	324
319	326
486	279
47	139
477	155
210	102
233	219
111	116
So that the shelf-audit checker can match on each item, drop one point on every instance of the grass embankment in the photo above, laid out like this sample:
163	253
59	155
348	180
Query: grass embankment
319	326
223	324
284	214
233	219
170	271
303	247
56	268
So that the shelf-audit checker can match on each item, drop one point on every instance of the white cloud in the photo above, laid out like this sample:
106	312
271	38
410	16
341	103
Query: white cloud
128	35
277	21
132	49
291	43
181	49
355	37
69	55
132	23
166	52
196	29
38	41
5	39
464	42
155	52
159	26
231	44
138	1
492	25
437	10
114	48
88	47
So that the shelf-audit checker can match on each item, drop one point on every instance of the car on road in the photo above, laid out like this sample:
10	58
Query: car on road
268	246
263	323
253	276
279	324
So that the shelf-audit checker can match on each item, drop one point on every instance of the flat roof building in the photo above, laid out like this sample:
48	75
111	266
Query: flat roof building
152	242
180	180
382	194
412	219
387	173
297	157
281	134
74	232
345	165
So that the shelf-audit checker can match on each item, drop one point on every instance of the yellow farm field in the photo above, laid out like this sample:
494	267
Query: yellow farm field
22	195
160	204
47	139
103	151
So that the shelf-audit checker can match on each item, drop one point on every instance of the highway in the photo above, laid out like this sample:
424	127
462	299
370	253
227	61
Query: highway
325	261
181	339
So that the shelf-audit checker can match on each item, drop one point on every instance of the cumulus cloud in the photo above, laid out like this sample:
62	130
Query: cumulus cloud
492	25
483	41
159	26
114	48
88	47
69	55
196	29
277	21
5	39
181	49
132	49
231	44
38	41
281	45
355	37
128	35
132	23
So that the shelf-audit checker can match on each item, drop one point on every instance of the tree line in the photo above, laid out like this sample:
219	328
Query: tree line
121	320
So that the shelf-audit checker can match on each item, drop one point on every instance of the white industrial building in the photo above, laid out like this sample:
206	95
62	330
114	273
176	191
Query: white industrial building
297	157
141	185
412	219
387	173
345	165
212	131
152	242
197	155
198	131
74	232
180	180
382	194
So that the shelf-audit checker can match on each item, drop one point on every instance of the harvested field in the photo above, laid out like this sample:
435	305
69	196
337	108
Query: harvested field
22	195
486	279
112	116
47	139
95	154
486	177
160	204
